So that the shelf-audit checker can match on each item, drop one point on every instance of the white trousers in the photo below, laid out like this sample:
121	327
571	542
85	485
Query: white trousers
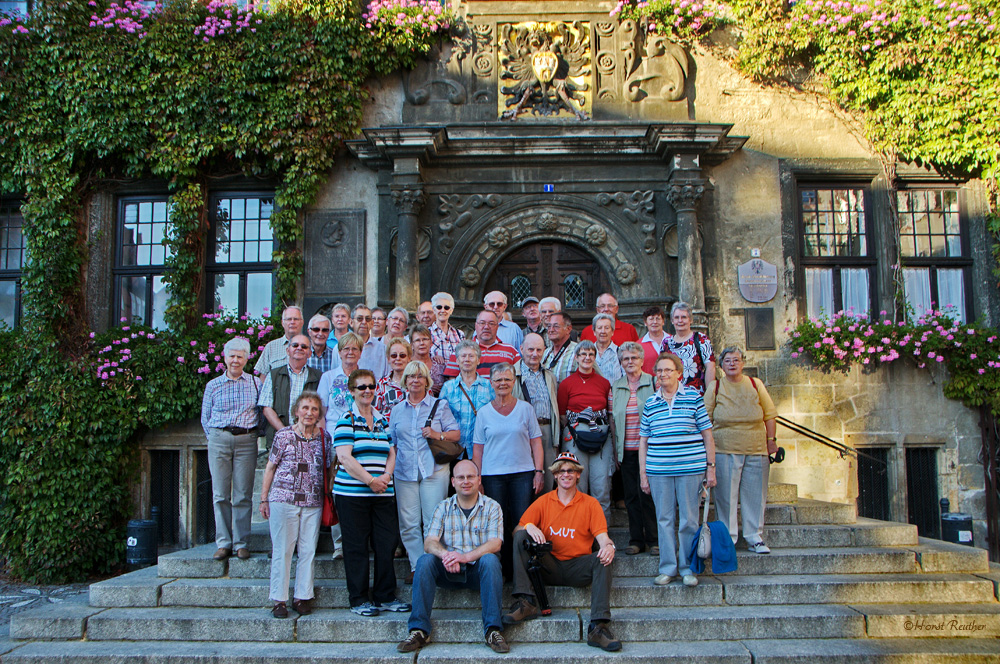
293	526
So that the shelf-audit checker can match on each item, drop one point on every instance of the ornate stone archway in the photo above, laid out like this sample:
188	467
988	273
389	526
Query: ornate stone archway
570	219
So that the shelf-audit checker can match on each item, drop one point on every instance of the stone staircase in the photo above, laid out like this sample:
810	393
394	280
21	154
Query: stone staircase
835	589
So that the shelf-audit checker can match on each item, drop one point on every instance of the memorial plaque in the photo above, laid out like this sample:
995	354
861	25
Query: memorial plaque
334	253
758	280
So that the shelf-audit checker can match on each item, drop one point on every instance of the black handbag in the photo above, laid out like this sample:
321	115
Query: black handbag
590	440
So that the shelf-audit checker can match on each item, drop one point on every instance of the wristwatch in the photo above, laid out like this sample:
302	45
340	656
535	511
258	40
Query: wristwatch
711	465
442	435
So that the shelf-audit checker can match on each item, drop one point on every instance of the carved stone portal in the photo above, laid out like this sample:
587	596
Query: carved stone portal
545	69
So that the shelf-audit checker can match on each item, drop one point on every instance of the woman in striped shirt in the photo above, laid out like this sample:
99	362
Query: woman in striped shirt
676	450
364	494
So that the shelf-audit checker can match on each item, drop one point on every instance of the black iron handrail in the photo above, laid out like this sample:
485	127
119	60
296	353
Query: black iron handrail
841	449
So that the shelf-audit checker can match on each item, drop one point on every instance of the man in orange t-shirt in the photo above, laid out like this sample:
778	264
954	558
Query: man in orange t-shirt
571	520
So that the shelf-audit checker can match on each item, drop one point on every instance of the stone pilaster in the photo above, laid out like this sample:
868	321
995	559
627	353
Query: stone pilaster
409	201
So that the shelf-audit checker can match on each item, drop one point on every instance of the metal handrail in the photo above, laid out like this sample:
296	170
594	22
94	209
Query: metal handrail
841	449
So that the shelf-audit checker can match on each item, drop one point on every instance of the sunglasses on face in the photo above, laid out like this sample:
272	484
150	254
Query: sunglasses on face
320	330
298	345
362	388
442	307
398	356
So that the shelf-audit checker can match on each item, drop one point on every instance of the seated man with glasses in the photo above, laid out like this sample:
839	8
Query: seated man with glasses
461	547
571	520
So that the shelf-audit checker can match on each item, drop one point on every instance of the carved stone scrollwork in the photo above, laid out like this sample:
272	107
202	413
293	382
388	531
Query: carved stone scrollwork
457	213
638	208
471	277
499	237
596	236
685	196
484	59
626	274
655	67
408	201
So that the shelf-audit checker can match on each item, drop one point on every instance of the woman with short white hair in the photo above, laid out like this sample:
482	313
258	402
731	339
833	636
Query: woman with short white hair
444	336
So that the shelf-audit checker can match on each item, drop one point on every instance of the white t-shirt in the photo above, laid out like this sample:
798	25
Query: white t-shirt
506	440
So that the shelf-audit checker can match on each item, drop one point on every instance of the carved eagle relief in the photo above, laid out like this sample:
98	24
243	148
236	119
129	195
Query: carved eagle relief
546	66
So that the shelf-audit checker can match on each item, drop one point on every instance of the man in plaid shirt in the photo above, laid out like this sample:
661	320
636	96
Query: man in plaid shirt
462	544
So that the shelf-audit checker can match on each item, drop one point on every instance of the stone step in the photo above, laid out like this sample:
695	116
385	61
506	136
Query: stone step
140	589
197	563
708	623
750	651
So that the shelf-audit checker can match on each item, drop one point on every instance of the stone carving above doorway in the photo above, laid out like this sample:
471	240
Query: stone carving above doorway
458	212
655	67
637	208
545	69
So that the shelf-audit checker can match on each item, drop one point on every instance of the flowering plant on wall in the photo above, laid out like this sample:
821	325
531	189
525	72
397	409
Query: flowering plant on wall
682	18
970	352
408	26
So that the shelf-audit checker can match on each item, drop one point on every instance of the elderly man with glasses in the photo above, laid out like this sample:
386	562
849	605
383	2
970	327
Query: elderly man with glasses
507	332
284	385
322	357
273	355
608	304
492	350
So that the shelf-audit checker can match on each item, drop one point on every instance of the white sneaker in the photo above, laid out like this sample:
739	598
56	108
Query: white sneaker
663	579
690	580
338	554
758	547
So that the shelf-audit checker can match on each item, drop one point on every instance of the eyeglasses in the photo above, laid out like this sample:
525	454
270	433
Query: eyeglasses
363	319
350	349
494	305
377	319
566	471
290	318
320	330
362	388
398	356
443	307
398	319
486	323
630	358
298	345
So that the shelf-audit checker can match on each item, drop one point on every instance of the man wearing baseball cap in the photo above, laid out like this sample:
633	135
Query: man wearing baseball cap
571	520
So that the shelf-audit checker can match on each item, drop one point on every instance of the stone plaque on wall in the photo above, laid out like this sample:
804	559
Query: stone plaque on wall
334	253
758	280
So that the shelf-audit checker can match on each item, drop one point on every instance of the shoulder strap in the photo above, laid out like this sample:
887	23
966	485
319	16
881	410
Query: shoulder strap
434	408
462	387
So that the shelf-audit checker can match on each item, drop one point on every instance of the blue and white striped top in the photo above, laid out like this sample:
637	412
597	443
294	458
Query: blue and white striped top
673	432
370	448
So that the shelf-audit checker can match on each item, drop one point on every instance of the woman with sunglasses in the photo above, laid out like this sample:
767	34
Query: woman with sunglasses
421	342
363	490
420	482
444	335
333	388
390	390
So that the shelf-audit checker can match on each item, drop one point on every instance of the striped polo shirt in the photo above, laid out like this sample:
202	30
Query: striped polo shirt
369	448
673	432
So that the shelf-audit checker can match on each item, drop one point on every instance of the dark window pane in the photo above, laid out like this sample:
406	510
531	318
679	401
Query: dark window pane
8	303
132	306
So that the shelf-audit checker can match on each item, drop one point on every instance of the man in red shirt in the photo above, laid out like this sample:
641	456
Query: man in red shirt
571	520
607	304
492	351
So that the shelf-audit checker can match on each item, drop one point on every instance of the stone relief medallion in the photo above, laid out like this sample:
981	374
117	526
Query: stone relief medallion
545	70
626	274
423	243
470	277
334	233
596	236
547	222
499	237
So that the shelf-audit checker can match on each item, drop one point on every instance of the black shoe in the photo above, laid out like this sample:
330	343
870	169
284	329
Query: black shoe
280	610
495	640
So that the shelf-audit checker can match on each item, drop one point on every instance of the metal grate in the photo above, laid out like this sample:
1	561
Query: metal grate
873	484
204	512
922	490
520	288
165	493
575	292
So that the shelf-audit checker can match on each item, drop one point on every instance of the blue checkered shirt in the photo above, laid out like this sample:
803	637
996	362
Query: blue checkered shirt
230	403
325	362
481	393
458	532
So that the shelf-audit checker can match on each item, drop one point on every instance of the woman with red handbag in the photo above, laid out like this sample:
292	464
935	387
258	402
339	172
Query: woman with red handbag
292	502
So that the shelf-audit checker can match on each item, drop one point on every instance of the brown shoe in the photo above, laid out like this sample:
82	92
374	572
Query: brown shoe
521	610
654	550
601	637
415	641
222	554
303	607
243	553
632	549
495	640
280	610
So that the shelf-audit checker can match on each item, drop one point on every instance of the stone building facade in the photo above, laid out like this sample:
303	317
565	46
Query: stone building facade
551	149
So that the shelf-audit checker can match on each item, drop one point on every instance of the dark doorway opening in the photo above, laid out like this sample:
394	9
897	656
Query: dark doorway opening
552	268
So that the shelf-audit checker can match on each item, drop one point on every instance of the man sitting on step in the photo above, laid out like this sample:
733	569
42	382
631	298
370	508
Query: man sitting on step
461	546
571	520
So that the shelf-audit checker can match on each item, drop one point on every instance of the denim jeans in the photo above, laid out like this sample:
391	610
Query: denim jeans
514	493
483	576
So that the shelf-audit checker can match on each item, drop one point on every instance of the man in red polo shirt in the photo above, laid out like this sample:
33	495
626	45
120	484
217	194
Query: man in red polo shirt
607	304
571	520
492	350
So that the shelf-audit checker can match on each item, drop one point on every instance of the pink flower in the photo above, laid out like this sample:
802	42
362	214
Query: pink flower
180	359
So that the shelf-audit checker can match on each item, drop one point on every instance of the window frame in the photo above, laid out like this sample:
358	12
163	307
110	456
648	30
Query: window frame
120	270
242	269
14	275
836	263
934	263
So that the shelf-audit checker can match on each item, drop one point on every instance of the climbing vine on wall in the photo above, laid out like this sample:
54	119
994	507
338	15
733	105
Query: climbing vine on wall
95	92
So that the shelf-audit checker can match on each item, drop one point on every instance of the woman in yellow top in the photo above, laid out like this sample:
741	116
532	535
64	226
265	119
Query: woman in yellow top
743	423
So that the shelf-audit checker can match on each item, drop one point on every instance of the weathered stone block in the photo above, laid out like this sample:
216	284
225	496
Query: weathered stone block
52	621
813	398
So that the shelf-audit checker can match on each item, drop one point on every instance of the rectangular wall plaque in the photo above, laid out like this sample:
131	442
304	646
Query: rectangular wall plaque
759	323
334	253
